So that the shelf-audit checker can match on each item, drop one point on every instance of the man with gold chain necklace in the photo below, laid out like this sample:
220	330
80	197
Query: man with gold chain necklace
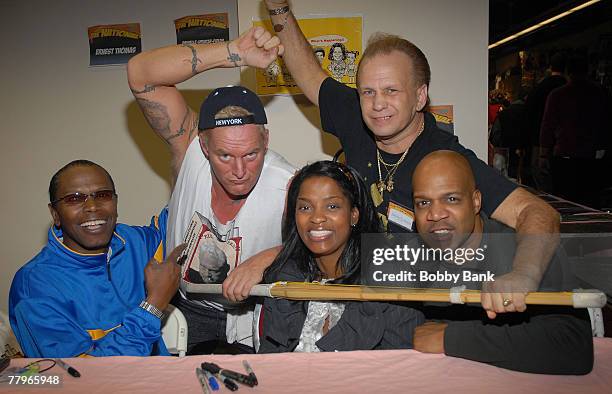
385	131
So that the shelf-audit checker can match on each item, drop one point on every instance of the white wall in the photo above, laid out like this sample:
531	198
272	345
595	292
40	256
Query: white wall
54	108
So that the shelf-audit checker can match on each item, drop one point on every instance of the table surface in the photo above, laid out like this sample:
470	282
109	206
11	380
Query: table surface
390	371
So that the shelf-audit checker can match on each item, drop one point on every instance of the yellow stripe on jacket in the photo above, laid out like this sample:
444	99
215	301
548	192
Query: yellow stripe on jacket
159	253
99	333
96	334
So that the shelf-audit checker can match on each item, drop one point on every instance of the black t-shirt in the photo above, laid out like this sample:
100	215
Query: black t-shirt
341	116
543	339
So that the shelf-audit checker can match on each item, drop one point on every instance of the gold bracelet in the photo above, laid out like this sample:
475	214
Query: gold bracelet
279	11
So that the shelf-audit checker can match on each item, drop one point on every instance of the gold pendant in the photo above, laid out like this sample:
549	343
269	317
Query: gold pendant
390	185
377	198
384	221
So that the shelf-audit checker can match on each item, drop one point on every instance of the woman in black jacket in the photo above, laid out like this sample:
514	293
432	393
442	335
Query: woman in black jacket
328	209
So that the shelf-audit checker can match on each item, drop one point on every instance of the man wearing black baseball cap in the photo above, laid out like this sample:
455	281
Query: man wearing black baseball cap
221	164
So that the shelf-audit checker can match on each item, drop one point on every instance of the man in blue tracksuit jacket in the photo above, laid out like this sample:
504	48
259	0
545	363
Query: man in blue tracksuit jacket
97	288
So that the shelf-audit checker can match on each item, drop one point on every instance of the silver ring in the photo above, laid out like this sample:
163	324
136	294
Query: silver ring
507	302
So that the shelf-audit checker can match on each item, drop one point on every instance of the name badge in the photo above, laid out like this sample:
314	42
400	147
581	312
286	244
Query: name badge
400	215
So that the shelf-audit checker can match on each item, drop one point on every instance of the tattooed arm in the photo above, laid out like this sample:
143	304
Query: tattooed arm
152	76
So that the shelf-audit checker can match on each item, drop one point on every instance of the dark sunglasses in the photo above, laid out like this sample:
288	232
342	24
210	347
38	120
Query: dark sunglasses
80	198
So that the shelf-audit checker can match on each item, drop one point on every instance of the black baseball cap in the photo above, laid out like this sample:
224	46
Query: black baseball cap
231	95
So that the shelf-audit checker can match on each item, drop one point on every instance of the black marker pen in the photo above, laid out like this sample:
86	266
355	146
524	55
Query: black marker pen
230	384
73	372
226	373
249	370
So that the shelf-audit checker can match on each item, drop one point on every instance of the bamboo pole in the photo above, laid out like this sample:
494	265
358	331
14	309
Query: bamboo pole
316	291
328	292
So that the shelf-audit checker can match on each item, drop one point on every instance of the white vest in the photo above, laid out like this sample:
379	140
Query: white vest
259	219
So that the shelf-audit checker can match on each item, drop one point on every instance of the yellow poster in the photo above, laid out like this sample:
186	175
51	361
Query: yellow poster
337	43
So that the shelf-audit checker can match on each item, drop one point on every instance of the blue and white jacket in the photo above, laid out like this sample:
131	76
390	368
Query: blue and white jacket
66	304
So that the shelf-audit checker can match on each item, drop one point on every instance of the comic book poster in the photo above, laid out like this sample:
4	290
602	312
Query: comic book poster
209	257
444	117
202	29
336	41
113	44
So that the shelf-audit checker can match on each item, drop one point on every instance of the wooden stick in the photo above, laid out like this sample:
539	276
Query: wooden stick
316	291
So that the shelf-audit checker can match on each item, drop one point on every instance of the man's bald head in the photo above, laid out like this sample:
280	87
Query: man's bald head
446	201
444	163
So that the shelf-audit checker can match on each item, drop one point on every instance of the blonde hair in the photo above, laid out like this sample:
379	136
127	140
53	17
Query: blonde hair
232	111
383	43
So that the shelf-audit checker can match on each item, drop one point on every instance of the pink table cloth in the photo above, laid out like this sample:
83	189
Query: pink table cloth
391	371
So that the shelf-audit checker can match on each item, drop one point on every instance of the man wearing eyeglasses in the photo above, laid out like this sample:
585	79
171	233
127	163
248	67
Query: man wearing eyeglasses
97	288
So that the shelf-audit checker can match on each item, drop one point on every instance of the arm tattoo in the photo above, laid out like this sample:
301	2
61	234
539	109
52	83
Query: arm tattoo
157	116
193	128
181	129
233	57
194	58
147	89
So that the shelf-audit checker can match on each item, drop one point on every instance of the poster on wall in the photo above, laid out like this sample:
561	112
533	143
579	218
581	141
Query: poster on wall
202	29
336	41
444	117
113	44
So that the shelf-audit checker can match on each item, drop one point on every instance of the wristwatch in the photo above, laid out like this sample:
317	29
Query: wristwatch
152	309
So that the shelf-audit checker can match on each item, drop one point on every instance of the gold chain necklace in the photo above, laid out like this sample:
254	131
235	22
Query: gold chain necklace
388	183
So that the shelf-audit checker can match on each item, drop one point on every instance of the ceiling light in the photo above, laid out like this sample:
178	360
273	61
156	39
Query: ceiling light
543	23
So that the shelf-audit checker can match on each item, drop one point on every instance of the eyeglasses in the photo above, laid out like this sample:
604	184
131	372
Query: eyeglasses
80	198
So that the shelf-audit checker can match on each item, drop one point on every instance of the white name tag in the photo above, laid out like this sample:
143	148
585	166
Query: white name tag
400	215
